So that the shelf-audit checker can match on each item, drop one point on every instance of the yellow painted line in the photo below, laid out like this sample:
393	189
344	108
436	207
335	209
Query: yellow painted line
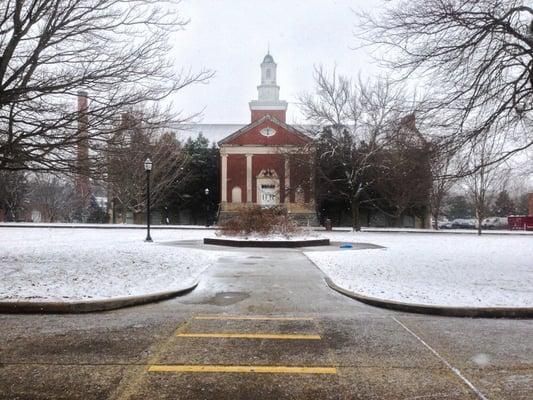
243	369
251	318
281	336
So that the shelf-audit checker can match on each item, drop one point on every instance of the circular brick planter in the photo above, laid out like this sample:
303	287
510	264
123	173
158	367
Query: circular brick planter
267	243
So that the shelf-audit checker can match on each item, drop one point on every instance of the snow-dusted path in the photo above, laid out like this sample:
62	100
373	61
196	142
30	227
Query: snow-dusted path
447	269
74	264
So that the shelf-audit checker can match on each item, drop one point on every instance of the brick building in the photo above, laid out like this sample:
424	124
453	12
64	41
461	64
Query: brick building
267	162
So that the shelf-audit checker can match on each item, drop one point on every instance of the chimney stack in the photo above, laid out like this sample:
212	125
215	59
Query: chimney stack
82	162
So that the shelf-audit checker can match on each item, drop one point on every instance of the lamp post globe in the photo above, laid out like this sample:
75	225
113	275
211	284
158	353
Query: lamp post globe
148	164
148	168
206	191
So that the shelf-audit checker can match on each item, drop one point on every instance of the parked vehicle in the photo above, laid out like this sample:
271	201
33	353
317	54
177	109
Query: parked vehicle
461	223
495	223
445	225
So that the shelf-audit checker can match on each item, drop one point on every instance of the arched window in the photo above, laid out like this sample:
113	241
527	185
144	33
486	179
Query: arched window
236	195
268	73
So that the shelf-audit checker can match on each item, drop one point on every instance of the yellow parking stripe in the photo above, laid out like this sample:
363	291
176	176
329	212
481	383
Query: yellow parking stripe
252	318
243	369
250	336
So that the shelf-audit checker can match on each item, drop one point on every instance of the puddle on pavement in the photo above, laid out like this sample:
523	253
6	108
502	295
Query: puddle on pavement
255	257
224	298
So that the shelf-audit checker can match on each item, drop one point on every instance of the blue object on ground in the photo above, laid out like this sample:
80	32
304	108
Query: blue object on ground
346	246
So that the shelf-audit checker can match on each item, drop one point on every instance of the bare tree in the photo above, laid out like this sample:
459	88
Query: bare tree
125	175
115	50
353	119
475	55
444	172
487	176
52	197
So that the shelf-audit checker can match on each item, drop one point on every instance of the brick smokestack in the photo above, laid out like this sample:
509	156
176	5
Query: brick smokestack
409	121
82	161
530	203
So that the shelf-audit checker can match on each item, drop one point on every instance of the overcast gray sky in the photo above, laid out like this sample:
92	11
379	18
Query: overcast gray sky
231	37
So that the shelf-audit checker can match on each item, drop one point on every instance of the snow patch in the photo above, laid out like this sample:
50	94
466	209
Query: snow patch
82	264
448	270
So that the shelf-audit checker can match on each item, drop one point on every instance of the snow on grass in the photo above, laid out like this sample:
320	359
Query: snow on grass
74	264
449	270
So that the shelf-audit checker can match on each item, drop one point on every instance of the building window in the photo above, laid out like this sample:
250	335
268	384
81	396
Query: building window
268	73
236	195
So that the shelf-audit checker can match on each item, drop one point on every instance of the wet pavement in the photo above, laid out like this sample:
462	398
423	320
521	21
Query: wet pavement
263	325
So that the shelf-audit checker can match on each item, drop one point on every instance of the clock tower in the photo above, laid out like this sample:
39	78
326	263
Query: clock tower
268	101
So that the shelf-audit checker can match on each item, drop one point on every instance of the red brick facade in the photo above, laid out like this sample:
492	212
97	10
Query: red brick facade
278	114
248	156
237	166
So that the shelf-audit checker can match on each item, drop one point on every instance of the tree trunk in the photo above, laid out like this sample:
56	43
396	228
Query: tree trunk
435	224
356	225
398	221
436	214
479	220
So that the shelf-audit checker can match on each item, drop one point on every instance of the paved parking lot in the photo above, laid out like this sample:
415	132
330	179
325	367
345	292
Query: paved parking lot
263	325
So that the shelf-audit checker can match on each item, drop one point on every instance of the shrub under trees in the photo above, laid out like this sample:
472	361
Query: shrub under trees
255	220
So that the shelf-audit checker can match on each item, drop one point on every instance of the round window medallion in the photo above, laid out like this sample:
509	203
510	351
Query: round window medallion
268	132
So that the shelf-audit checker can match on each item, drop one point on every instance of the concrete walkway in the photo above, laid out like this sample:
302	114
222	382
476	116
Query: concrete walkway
263	325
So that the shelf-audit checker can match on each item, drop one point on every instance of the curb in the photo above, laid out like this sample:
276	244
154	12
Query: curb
110	226
267	243
467	312
434	232
87	306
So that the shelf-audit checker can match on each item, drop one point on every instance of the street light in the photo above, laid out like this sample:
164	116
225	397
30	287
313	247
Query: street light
148	168
206	191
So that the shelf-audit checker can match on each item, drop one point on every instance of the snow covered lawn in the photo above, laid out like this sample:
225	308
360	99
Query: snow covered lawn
449	270
74	264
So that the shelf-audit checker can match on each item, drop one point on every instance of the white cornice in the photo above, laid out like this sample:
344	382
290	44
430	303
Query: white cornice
268	105
251	150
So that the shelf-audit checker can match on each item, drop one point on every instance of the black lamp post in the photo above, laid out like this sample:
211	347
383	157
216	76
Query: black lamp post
148	168
206	191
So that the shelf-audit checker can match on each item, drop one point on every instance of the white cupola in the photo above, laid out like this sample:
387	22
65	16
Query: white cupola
268	90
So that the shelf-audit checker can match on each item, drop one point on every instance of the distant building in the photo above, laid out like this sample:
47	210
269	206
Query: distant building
266	162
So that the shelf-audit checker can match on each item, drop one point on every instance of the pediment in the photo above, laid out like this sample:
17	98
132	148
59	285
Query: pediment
267	130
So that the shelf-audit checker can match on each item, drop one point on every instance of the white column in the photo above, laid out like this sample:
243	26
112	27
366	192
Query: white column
224	174
249	177
287	180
